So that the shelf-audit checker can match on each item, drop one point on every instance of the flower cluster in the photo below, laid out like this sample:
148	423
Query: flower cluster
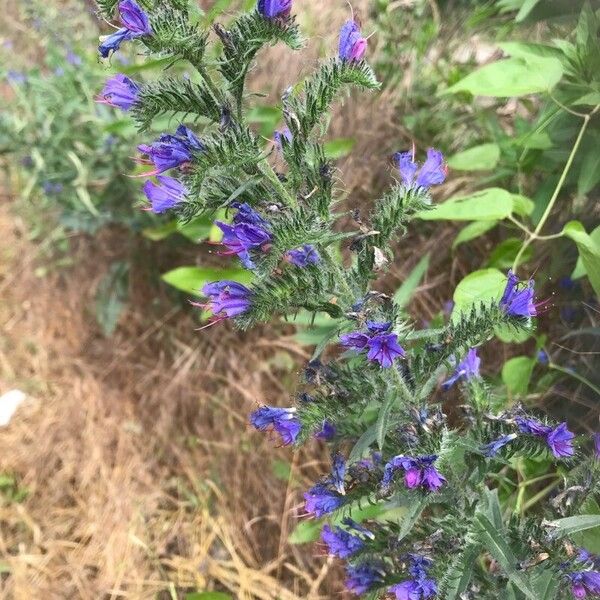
378	406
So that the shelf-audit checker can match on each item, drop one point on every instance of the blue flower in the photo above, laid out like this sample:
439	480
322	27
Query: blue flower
72	58
227	299
364	577
320	500
596	440
166	195
495	446
341	543
119	91
432	172
559	439
16	77
246	214
304	256
584	583
338	474
417	589
379	327
543	357
282	420
418	472
518	298
242	238
171	151
327	431
384	349
272	9
135	24
353	45
467	369
279	136
356	340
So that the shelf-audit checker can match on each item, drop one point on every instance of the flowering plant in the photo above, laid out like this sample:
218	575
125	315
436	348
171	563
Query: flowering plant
374	389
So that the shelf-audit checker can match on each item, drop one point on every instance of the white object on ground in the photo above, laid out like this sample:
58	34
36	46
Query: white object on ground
9	403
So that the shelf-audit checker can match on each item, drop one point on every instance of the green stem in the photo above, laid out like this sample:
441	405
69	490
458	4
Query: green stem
557	190
265	168
214	92
575	375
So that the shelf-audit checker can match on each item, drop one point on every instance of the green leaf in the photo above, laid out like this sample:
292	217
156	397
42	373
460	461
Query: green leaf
479	286
411	283
589	175
522	205
192	279
160	232
338	148
497	546
504	254
383	418
579	270
527	7
570	525
490	204
112	296
588	539
589	251
460	573
512	77
478	158
413	512
473	230
516	374
363	444
305	532
197	229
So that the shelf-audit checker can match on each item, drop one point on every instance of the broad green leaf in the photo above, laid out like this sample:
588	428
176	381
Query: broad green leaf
589	251
192	279
522	205
510	335
112	296
413	512
570	525
160	232
588	539
479	286
527	7
516	374
512	77
473	230
527	50
579	270
363	444
545	584
338	148
592	99
490	204
197	229
411	283
305	532
479	158
589	175
383	419
497	546
504	254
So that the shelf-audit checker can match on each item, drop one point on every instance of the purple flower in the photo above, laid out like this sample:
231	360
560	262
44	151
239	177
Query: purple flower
418	471
16	77
341	543
584	583
559	439
166	195
327	431
227	299
135	24
384	349
467	369
543	357
378	327
417	589
596	440
362	578
272	9
320	500
119	91
353	45
279	136
242	238
338	474
282	420
518	298
432	172
171	151
72	58
356	340
246	214
495	446
304	256
134	18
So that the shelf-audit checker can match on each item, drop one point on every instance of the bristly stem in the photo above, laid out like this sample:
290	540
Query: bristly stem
531	237
267	170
